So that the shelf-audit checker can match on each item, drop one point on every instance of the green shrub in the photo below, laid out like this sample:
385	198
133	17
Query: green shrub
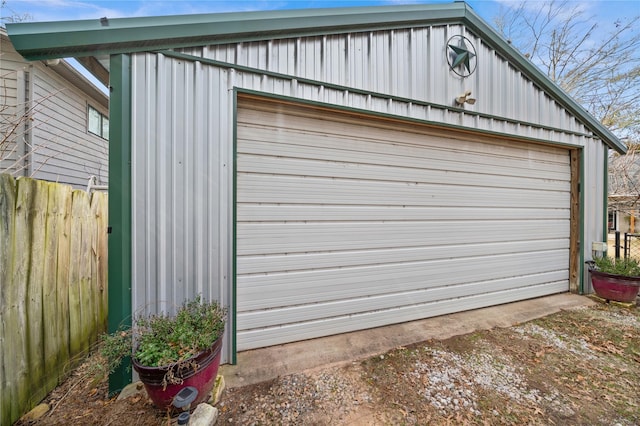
165	340
628	267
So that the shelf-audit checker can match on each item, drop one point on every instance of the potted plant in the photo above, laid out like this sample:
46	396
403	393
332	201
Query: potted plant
170	353
615	279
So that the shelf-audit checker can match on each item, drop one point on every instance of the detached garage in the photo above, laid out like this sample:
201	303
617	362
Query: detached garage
331	170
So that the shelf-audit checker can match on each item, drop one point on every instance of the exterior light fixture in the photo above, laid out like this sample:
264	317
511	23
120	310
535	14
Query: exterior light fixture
465	99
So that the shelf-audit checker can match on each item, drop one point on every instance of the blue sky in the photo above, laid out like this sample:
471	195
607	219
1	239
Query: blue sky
58	10
605	12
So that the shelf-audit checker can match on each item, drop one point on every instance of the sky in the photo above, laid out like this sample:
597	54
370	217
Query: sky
62	10
602	11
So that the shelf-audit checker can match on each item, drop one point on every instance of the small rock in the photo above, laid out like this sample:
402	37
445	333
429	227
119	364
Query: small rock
132	389
218	387
37	412
204	415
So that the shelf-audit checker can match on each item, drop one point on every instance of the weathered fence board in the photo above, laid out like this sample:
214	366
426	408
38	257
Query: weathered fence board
7	219
35	327
16	322
62	279
53	286
99	260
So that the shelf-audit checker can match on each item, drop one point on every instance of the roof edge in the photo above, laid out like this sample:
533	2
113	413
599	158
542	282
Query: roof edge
47	40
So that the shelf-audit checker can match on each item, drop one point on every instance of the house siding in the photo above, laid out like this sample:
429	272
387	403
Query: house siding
62	150
13	72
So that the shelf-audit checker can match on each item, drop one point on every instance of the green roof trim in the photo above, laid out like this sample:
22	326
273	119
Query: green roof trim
46	40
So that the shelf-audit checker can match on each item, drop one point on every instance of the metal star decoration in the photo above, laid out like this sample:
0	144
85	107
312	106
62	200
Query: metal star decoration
461	56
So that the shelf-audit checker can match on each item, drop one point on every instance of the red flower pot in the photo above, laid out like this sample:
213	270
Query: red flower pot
200	374
619	288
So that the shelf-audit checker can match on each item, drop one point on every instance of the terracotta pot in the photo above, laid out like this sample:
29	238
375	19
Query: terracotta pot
203	377
619	288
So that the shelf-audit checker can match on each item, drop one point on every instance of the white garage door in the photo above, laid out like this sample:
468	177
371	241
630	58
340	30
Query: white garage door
346	223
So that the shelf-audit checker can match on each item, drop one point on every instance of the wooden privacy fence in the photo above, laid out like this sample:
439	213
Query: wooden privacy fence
53	286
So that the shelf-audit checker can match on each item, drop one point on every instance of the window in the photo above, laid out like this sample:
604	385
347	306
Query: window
98	123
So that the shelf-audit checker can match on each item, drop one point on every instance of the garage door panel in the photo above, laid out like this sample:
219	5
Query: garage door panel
250	339
292	314
277	212
297	288
344	223
393	152
310	190
262	263
303	131
269	238
343	170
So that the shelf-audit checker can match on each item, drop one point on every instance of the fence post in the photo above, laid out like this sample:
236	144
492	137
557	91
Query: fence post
617	243
626	246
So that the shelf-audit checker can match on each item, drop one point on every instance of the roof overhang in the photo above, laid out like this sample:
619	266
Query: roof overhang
44	40
99	38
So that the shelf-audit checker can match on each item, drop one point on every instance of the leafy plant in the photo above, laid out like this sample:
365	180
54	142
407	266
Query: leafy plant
628	267
158	340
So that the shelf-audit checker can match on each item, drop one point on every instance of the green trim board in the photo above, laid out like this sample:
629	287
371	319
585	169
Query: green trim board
46	40
120	207
234	304
94	37
605	199
582	221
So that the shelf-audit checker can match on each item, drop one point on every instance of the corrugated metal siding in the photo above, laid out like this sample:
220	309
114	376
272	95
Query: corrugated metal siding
181	164
64	151
407	63
344	226
594	212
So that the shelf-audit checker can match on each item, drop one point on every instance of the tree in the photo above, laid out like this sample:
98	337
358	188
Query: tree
598	64
17	121
8	15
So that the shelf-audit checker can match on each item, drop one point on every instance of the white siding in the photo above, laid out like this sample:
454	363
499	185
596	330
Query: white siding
343	226
12	103
55	145
63	150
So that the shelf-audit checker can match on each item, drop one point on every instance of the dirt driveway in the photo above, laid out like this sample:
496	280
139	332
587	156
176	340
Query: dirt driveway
579	366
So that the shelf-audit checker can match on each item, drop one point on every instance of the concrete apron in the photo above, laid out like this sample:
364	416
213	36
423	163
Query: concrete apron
259	365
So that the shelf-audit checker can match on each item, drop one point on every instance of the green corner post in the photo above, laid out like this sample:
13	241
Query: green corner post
120	206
